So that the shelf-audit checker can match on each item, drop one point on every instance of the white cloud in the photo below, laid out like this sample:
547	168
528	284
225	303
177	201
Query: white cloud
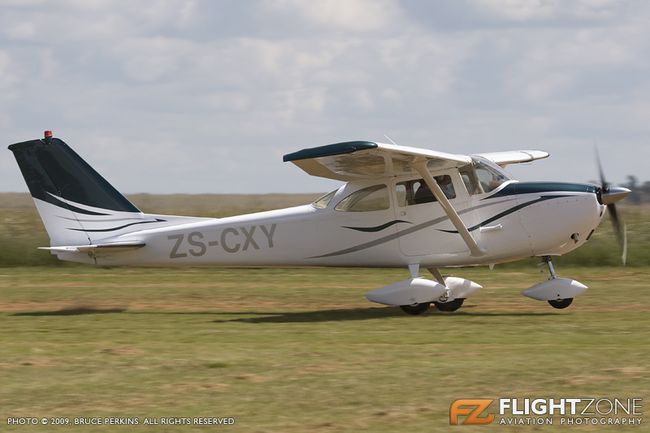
204	92
526	10
21	30
341	15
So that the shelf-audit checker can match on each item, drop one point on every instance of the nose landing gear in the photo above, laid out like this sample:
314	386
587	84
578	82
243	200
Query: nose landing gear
559	292
560	303
555	303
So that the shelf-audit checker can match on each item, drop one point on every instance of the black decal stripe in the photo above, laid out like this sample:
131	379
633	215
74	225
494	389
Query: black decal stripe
404	232
117	228
518	188
377	228
63	205
107	220
507	212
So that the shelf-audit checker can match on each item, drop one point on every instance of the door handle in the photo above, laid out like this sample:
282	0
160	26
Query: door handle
487	229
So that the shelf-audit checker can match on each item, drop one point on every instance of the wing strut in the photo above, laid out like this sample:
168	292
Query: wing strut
421	167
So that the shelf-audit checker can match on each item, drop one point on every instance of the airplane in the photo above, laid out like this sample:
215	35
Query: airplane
399	206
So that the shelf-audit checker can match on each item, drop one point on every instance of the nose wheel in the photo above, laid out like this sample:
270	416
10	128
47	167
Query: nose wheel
560	303
555	303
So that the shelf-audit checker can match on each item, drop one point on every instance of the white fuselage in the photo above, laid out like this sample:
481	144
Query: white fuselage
514	221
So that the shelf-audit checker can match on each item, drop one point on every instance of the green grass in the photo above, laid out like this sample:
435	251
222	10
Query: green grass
300	350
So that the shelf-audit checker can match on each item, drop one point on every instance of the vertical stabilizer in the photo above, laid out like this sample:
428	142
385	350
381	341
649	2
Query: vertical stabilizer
77	205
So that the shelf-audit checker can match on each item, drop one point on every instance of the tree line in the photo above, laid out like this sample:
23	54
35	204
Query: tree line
640	191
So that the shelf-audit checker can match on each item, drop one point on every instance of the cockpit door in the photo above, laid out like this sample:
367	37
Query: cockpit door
424	226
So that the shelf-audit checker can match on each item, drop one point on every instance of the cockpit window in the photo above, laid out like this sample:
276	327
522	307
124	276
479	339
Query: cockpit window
468	174
367	199
323	201
417	192
488	177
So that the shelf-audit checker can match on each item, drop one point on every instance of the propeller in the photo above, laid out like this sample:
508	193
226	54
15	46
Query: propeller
608	196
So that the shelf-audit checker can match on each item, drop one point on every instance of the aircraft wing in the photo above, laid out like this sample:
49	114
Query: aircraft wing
367	160
514	156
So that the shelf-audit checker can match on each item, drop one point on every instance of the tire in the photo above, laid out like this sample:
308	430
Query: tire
416	309
561	303
451	305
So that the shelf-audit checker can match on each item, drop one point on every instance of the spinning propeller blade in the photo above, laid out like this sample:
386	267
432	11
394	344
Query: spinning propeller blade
609	195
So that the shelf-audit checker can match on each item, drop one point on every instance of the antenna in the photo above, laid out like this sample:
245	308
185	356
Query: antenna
390	139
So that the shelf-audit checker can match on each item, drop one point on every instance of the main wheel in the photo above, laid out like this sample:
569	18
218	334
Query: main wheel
451	305
415	309
561	303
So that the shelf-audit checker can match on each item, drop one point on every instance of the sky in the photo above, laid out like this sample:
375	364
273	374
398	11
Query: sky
170	96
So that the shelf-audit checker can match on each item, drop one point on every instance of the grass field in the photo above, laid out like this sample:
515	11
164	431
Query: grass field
300	350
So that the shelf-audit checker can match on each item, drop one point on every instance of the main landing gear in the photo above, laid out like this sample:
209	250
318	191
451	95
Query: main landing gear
416	294
448	306
416	309
453	291
558	292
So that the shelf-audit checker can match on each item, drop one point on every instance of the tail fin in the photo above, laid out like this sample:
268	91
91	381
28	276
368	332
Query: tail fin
77	205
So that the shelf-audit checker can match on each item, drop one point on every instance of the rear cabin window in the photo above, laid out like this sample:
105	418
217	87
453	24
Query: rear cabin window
414	192
367	199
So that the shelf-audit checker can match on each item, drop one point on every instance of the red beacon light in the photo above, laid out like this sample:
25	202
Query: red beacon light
48	136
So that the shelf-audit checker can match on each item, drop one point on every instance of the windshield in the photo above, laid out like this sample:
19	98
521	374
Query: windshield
490	176
322	202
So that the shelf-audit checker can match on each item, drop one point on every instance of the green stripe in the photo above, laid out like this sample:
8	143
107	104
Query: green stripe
517	188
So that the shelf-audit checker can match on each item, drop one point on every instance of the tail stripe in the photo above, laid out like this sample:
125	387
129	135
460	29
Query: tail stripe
157	220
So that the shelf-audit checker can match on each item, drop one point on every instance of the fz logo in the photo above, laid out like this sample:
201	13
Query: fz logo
231	240
472	409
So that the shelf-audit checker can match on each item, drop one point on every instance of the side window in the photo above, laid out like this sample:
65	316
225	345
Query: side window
489	178
414	192
323	201
468	175
368	199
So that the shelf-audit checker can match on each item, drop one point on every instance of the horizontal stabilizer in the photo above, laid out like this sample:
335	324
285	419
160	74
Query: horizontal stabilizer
109	246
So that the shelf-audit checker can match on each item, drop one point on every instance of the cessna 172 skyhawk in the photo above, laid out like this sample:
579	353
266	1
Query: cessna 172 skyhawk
400	206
